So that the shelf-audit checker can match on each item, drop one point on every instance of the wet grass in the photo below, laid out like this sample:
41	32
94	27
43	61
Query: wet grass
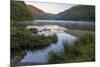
22	38
81	51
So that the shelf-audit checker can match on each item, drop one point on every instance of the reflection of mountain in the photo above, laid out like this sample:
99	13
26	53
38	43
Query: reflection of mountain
79	12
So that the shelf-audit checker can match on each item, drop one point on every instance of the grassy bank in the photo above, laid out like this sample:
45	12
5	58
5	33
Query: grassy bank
79	33
81	51
22	39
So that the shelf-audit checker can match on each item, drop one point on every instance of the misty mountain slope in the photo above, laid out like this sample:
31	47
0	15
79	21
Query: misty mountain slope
19	11
79	12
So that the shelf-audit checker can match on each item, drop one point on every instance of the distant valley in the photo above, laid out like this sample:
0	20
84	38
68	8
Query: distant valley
30	12
79	12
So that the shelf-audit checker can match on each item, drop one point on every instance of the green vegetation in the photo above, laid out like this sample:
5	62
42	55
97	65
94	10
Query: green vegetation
16	56
79	12
81	51
19	11
85	27
21	38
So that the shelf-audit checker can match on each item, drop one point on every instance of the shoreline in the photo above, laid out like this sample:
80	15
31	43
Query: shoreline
80	33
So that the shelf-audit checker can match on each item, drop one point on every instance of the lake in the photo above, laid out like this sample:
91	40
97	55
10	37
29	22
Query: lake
41	56
82	25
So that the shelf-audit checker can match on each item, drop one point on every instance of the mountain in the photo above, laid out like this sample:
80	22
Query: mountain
38	13
34	9
19	11
79	12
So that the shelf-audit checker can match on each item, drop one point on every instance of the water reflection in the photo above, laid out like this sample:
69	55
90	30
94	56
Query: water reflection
17	56
42	56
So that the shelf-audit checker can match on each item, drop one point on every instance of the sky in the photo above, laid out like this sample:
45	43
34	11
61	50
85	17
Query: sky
52	8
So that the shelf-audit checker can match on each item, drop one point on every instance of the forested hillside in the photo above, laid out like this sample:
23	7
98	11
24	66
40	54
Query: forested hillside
79	12
19	11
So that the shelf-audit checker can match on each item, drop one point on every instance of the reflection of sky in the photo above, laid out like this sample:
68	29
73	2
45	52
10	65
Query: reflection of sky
53	8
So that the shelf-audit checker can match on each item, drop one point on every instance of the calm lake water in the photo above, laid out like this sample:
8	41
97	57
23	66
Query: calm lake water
83	25
42	55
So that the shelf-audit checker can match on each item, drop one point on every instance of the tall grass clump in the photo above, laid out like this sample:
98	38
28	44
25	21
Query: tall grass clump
22	38
81	51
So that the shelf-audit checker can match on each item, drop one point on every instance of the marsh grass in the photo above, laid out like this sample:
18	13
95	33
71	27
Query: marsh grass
21	38
81	51
22	41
